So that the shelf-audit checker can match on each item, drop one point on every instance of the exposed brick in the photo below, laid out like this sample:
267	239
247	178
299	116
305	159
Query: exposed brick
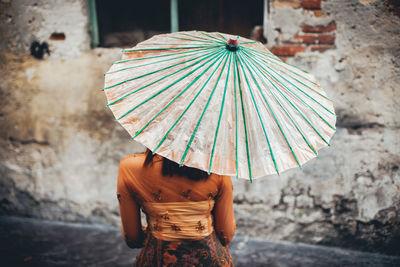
287	51
326	38
307	38
321	48
311	4
318	13
292	4
320	28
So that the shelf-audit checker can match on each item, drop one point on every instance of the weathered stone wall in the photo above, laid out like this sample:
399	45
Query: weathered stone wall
350	196
60	149
59	145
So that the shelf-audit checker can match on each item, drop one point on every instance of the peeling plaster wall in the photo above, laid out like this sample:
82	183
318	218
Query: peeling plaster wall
23	22
60	149
59	145
350	196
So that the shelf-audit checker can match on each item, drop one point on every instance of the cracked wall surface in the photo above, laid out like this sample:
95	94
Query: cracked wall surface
350	195
60	147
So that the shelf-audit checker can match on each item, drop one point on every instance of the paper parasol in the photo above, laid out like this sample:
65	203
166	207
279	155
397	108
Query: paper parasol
220	103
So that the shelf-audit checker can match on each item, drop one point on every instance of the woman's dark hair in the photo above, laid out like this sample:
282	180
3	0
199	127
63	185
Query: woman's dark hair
170	168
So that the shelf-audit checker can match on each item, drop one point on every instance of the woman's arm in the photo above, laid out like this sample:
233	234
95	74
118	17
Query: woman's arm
129	209
225	226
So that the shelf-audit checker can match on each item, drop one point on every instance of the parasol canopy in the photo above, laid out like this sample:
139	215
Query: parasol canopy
220	103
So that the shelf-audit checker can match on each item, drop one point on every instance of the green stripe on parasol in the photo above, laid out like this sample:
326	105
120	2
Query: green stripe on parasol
176	97
244	118
306	93
153	72
260	119
155	62
279	103
220	112
275	58
158	56
202	45
202	114
168	48
281	63
213	37
294	106
273	114
299	97
202	38
162	78
165	88
190	104
302	84
187	39
223	38
236	122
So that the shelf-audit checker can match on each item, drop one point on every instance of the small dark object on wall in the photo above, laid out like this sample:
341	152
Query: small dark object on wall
39	49
57	36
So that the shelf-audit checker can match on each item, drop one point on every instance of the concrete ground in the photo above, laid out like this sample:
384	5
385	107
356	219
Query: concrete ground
32	242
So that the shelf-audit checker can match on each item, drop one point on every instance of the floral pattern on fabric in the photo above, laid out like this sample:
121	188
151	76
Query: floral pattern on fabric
204	252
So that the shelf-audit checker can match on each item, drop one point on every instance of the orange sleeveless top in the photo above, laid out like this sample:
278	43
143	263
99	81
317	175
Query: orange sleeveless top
176	207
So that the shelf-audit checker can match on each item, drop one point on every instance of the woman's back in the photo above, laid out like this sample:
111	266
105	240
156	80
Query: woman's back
178	209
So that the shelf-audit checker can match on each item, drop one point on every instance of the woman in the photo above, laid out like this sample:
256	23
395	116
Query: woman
189	213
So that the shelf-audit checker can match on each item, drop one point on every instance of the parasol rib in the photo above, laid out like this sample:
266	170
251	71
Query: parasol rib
187	39
280	64
220	113
260	119
324	96
213	37
294	106
279	103
165	88
243	116
162	78
167	55
322	118
176	97
202	45
202	114
307	94
300	83
190	104
236	122
169	48
272	56
222	37
155	62
249	42
273	114
206	39
152	72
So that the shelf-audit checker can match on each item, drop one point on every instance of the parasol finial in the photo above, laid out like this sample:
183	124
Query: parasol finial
232	44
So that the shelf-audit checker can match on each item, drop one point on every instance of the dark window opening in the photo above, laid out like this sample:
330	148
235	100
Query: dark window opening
124	23
236	17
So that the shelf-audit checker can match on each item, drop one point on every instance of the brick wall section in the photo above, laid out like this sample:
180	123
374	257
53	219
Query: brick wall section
311	4
319	37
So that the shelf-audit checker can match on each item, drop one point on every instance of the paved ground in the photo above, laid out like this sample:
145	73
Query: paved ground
31	242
